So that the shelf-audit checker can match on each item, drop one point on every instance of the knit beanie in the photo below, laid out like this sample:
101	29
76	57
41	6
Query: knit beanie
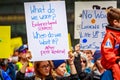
97	55
57	63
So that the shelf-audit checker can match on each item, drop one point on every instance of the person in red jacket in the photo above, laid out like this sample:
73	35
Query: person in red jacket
110	47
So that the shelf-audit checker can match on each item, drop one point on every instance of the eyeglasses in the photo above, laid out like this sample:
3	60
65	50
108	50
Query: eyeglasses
45	66
83	61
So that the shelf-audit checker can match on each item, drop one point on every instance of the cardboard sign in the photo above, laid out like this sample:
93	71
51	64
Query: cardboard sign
16	43
47	30
5	36
90	5
92	29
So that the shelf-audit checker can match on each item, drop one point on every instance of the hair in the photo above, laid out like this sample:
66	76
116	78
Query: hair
88	51
36	66
113	14
86	64
84	57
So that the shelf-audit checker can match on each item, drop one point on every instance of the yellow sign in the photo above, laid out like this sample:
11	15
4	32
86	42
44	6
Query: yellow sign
16	43
5	35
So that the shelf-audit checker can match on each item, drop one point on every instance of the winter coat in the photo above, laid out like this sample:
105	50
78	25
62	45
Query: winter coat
110	47
21	76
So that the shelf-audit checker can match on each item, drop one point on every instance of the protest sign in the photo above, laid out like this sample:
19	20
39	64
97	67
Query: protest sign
5	36
16	42
47	33
92	32
90	5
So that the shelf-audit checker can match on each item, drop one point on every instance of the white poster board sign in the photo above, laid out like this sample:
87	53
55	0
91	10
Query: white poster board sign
92	32
47	30
88	5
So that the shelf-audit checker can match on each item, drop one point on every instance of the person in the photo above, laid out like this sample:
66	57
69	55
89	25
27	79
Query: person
14	57
110	47
8	67
42	70
4	75
99	73
59	69
84	63
23	51
85	73
89	55
77	53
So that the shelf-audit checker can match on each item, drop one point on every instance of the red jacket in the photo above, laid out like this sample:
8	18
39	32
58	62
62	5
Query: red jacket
110	47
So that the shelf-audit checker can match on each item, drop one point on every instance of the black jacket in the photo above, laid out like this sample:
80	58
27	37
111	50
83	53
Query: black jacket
84	75
21	76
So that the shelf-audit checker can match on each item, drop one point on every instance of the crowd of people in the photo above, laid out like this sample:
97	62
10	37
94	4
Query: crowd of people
82	64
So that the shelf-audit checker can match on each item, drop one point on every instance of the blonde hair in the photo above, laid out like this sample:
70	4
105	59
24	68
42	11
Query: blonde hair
84	57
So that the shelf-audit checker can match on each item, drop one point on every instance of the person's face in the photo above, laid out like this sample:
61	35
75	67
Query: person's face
83	63
23	54
61	69
116	23
44	68
88	54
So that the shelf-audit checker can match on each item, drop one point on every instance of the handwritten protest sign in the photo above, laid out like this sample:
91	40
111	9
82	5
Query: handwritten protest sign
47	30
5	35
92	29
90	5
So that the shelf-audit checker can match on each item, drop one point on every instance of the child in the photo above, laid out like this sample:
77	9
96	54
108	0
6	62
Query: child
110	47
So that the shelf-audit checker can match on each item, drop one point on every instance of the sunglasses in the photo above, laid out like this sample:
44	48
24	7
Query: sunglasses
83	61
24	51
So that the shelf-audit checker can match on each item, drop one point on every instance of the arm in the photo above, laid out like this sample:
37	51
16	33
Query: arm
108	50
21	74
71	63
23	69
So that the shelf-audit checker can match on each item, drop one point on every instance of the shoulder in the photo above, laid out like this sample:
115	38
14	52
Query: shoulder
5	75
18	63
107	75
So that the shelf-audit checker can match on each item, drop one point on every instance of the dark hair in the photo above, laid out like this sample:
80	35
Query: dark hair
113	14
3	62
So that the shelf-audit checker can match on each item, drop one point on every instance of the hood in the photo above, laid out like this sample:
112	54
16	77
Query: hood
113	28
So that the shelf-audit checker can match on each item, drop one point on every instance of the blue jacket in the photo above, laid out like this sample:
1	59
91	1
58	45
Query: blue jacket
107	75
4	75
